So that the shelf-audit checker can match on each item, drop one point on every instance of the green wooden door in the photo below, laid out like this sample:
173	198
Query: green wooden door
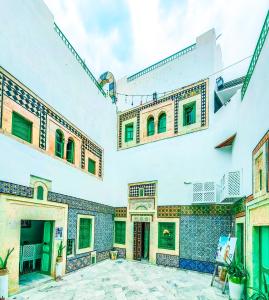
264	257
47	248
146	240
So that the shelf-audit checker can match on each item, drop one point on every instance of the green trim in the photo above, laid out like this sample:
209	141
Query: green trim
78	58
120	232
21	127
167	235
40	193
162	62
129	132
91	166
255	57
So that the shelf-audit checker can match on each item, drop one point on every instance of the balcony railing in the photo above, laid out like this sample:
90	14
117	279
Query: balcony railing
256	55
78	58
162	62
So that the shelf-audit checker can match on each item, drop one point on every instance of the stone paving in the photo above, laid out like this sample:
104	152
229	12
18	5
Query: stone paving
122	280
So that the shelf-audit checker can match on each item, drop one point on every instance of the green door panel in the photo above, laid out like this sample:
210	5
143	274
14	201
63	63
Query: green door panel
146	241
264	257
47	248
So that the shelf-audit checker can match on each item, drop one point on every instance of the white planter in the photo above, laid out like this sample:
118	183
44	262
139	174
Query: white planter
236	290
4	285
59	270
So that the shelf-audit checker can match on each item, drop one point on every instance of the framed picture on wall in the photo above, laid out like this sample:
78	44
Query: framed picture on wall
58	233
26	224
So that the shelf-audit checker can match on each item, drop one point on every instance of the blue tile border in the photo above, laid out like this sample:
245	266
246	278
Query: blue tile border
196	265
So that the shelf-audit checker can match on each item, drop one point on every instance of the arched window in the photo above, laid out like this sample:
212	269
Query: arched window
40	193
70	150
150	126
162	123
59	143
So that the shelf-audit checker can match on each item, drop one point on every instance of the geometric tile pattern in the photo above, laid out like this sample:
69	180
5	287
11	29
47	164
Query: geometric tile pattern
196	265
79	203
149	189
176	97
120	212
16	189
102	255
16	93
239	206
75	263
174	211
121	252
167	260
199	236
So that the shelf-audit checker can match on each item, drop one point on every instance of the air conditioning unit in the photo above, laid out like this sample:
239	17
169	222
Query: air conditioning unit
231	186
205	192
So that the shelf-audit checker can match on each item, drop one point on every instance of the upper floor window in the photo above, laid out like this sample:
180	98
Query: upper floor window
59	143
129	132
150	126
22	127
260	179
40	193
70	151
189	113
162	123
91	166
141	192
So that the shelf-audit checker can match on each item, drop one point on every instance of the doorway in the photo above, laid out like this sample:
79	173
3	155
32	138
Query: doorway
141	240
35	251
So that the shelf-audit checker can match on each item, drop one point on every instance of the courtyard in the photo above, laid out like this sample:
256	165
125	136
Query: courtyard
123	279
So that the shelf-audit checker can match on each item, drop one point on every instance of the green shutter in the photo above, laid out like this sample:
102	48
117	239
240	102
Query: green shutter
129	132
59	143
120	232
70	149
91	166
40	193
150	126
85	232
240	243
162	123
189	113
21	127
166	235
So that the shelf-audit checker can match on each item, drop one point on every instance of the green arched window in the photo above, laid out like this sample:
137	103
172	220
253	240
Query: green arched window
70	151
59	143
150	126
162	123
40	193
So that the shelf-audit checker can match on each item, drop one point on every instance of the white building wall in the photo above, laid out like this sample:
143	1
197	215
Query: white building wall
34	53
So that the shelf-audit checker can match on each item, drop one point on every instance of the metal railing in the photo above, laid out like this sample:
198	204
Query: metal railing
78	58
256	55
162	62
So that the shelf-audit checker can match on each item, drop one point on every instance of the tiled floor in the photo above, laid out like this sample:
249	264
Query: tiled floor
127	280
32	279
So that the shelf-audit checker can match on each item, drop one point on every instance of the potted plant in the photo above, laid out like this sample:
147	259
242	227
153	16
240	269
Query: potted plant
59	262
113	254
4	275
237	275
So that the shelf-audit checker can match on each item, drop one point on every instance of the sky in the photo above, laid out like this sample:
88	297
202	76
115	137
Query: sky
125	36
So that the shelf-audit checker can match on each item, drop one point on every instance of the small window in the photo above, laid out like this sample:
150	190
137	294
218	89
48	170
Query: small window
59	143
22	127
40	193
91	166
70	247
150	126
141	192
120	232
260	179
129	132
189	113
166	235
70	151
162	123
85	233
